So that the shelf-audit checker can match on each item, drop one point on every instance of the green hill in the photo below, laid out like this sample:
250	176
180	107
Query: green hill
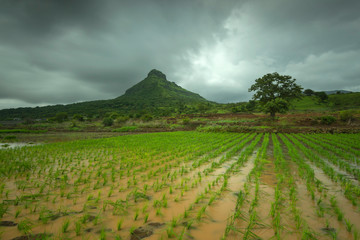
335	102
155	94
156	91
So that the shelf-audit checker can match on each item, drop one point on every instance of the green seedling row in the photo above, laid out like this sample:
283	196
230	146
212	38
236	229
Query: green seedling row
171	185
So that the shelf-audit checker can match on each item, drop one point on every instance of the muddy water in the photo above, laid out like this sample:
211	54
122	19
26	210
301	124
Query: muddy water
176	209
266	195
17	145
351	212
308	212
215	223
348	176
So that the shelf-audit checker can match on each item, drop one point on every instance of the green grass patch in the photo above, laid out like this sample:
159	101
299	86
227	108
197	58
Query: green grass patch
126	129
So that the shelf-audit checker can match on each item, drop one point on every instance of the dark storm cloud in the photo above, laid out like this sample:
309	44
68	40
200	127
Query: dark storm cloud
316	42
37	20
67	51
97	49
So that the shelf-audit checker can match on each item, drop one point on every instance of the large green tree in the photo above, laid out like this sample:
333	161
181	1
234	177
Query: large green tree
274	92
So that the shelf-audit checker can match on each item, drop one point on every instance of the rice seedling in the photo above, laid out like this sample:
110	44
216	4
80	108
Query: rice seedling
102	234
146	217
170	232
132	229
349	225
25	226
173	222
177	167
356	235
158	212
3	209
136	214
65	225
17	213
78	227
308	234
119	224
189	224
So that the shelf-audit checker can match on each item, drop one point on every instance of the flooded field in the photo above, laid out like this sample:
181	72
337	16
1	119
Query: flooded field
16	144
183	185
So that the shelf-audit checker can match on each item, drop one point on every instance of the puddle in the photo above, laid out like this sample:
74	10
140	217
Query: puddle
17	145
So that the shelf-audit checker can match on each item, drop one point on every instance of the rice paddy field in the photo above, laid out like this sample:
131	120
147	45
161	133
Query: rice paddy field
183	185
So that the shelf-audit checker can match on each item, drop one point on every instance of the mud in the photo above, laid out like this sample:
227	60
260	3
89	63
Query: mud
217	216
7	223
33	237
145	231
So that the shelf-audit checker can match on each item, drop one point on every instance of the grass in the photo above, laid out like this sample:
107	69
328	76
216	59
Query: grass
126	129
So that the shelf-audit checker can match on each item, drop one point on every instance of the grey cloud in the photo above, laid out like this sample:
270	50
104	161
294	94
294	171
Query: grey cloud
313	41
58	50
63	51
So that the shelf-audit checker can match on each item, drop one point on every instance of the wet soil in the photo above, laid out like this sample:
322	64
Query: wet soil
213	227
7	223
33	237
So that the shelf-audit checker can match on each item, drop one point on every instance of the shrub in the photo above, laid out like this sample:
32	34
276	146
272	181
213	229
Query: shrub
347	115
108	122
175	126
122	119
322	96
78	117
147	117
186	121
61	117
114	115
328	120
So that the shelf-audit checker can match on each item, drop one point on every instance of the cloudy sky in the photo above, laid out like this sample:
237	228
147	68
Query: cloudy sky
65	51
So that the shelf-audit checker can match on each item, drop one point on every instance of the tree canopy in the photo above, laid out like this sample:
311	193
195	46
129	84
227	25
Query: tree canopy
274	92
309	92
322	96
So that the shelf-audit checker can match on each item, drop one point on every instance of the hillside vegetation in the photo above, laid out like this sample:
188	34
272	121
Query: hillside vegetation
334	103
155	95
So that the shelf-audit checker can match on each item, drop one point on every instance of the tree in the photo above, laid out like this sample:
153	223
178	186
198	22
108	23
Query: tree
108	122
274	92
278	105
250	106
309	92
322	96
61	117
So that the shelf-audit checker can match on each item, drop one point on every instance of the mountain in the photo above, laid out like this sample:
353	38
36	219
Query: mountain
156	89
155	94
